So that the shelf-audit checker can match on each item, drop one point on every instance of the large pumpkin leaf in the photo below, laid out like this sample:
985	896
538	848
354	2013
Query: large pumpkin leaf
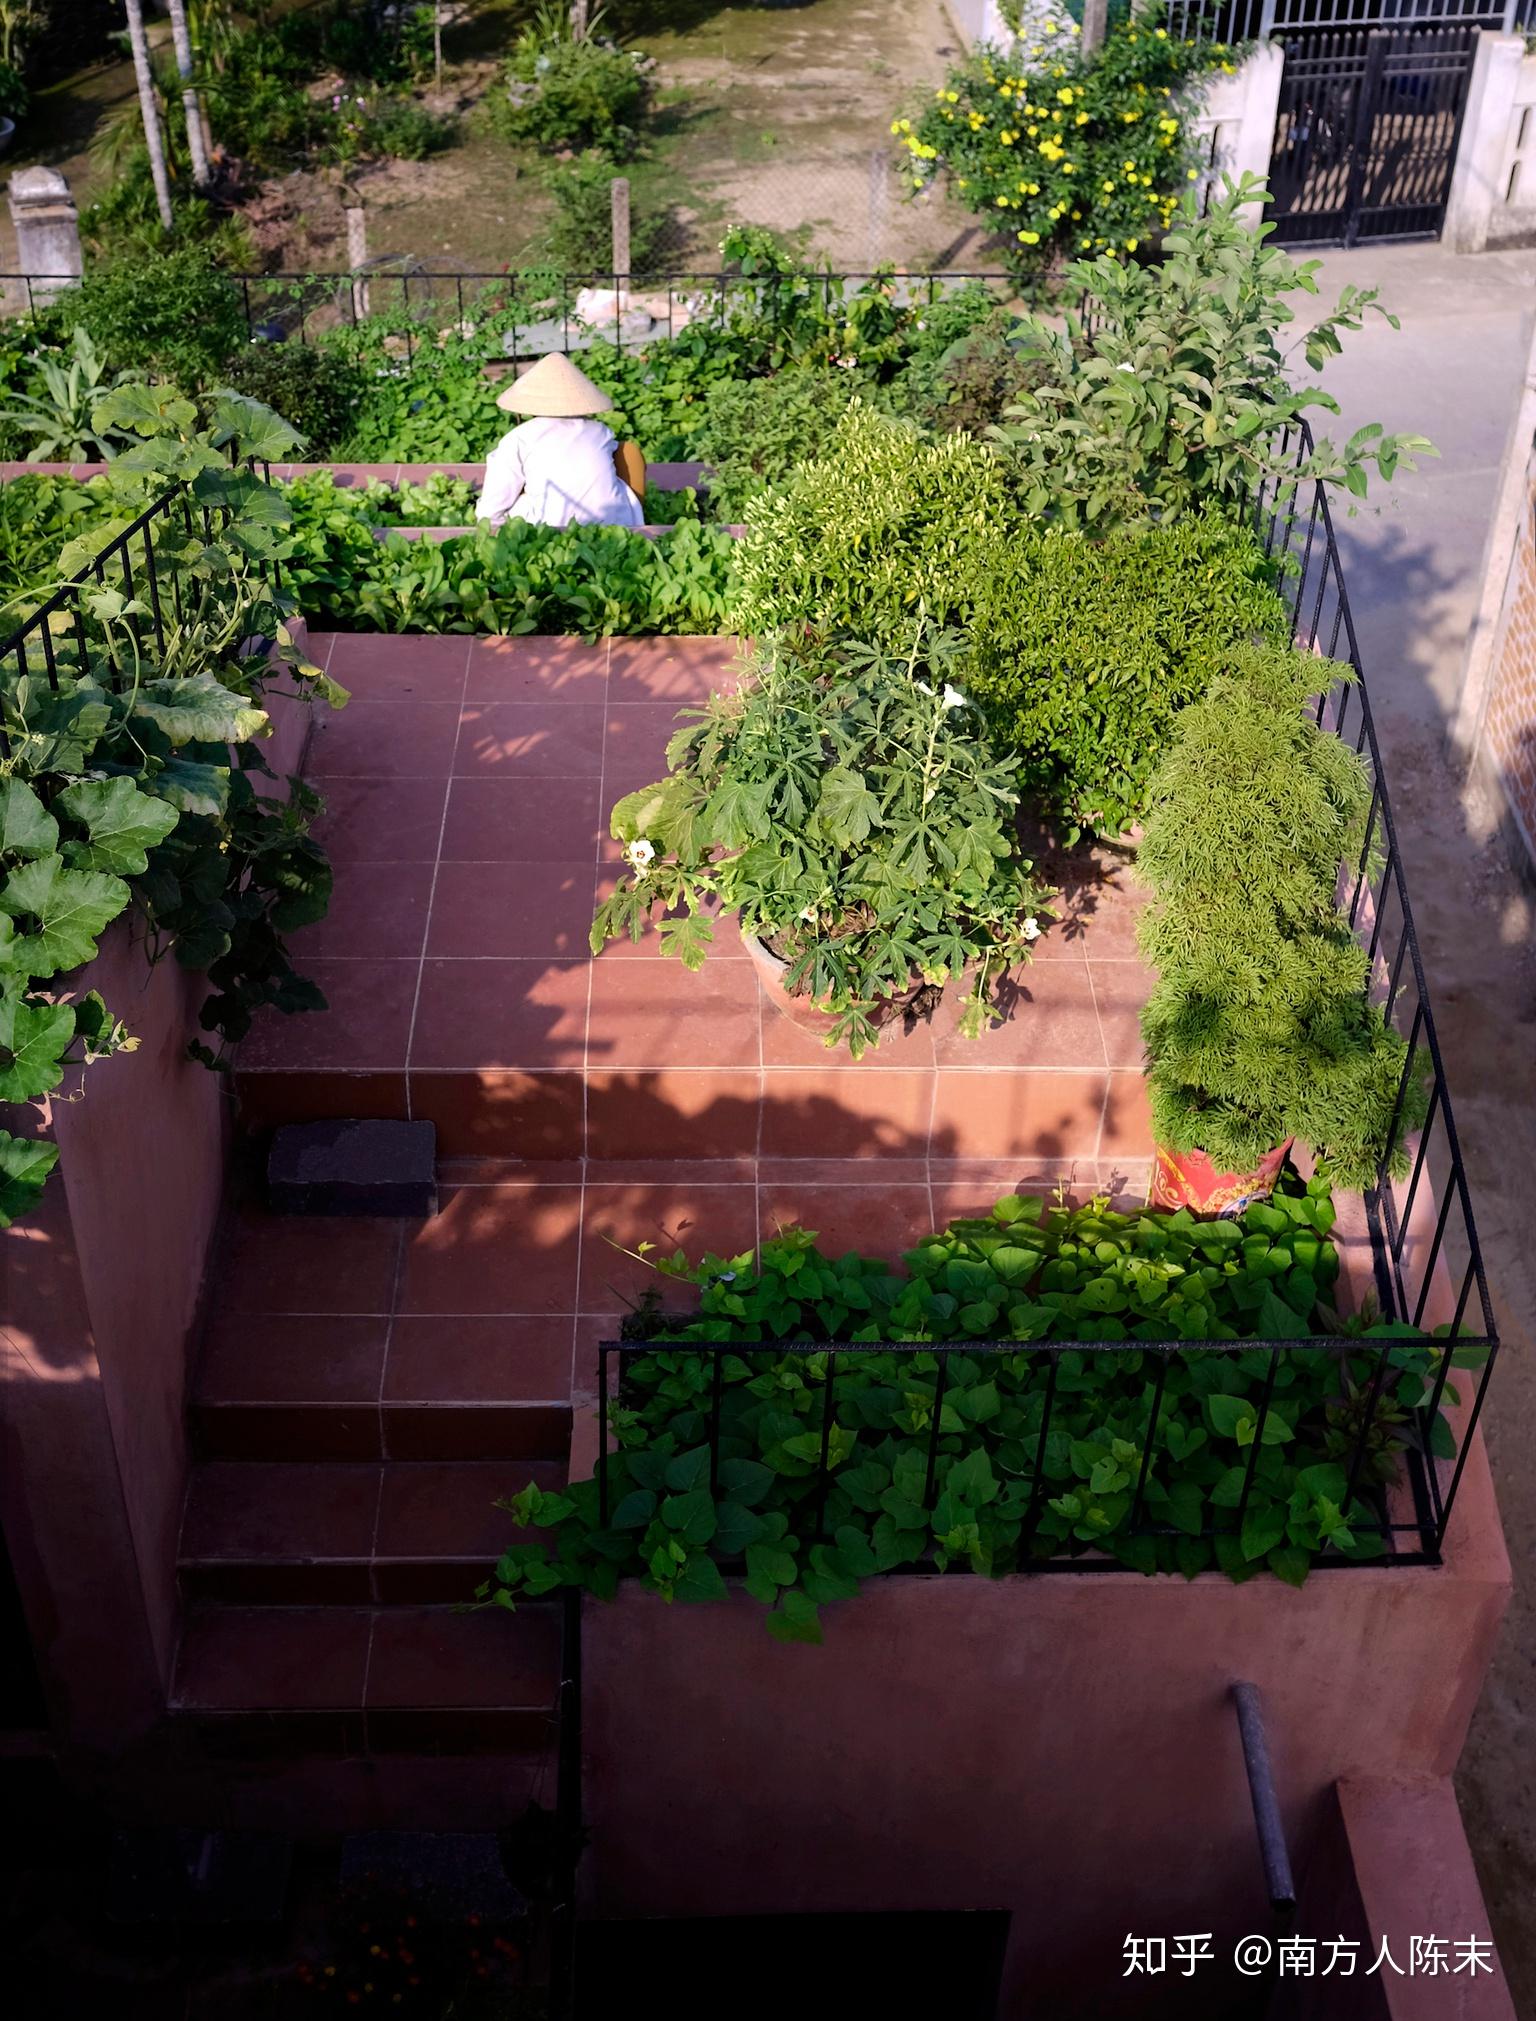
193	787
199	711
26	826
121	822
24	1166
33	1039
70	907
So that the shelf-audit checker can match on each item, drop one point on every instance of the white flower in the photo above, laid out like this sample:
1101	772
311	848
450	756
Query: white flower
953	699
1031	928
639	855
809	915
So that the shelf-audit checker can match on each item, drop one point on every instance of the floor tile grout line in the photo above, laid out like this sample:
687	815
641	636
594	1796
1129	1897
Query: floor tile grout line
586	1030
437	864
1098	1016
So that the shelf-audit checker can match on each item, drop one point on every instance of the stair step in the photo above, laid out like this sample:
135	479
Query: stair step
358	1680
312	1386
302	1534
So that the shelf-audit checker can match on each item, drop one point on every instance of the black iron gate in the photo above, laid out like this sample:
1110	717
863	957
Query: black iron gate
1366	136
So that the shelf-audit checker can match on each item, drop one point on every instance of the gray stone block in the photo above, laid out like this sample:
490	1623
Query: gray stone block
381	1168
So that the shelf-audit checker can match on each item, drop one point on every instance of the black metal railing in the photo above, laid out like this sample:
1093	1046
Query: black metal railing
1424	1256
1257	20
64	636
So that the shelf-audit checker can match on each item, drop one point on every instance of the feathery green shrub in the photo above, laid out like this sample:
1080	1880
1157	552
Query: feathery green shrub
1260	1027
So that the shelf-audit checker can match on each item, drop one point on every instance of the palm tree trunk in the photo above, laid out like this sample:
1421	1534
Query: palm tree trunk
189	97
154	139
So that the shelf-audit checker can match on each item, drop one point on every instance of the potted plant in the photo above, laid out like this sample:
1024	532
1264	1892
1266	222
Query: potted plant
855	820
1261	1029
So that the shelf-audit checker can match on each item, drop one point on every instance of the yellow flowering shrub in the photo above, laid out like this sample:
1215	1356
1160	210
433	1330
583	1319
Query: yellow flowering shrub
1062	154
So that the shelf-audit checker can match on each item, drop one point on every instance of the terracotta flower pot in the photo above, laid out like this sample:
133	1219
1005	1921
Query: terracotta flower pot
772	971
1189	1179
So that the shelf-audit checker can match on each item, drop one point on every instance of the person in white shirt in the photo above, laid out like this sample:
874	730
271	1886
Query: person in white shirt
560	467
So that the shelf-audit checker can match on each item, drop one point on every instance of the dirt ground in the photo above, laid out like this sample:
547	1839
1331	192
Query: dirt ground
774	112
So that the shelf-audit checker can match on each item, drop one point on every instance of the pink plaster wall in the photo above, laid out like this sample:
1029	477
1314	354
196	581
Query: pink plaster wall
1058	1746
98	1293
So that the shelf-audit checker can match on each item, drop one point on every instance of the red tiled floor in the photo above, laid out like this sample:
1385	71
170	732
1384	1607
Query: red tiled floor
465	1360
496	1249
251	1510
369	740
537	669
798	1037
696	1218
365	1026
381	820
491	909
408	667
683	670
846	1111
1120	988
378	912
655	1014
876	1220
530	740
323	1265
525	820
635	745
506	1113
286	1388
673	1114
498	1014
1049	1020
239	1658
447	1509
268	1099
435	1656
1127	1119
1017	1114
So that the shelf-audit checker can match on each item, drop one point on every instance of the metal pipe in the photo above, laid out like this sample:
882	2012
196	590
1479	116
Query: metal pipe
1266	1803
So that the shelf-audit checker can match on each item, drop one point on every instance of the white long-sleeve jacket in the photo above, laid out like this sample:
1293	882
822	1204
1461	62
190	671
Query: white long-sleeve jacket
557	471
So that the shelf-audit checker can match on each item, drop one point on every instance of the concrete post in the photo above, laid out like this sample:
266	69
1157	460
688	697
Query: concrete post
1484	138
618	210
47	227
357	251
1254	146
1095	21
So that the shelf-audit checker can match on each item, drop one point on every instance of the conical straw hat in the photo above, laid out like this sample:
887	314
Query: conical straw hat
554	386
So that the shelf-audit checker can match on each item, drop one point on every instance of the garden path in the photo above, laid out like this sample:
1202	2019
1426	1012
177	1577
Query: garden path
1413	563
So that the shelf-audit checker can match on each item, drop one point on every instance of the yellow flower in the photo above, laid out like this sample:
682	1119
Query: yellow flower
1161	34
1030	238
1064	96
1193	174
1130	165
952	96
1002	203
1033	190
1081	119
1131	245
1077	215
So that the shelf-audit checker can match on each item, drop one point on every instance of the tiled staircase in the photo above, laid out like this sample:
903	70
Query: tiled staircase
341	1508
368	1389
